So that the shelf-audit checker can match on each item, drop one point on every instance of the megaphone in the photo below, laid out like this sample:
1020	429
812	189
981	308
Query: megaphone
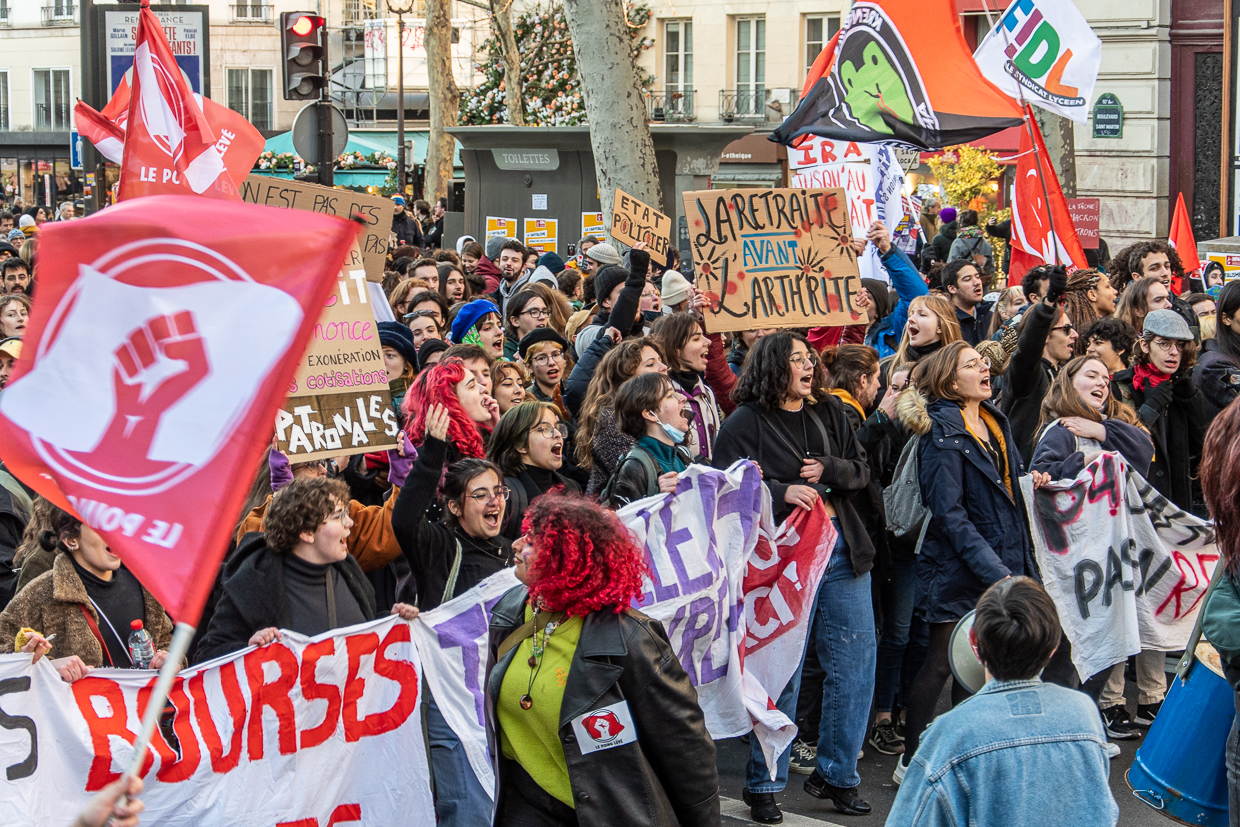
966	668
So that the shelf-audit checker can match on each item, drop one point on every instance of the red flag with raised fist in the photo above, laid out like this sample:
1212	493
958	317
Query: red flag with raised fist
162	344
171	148
1038	206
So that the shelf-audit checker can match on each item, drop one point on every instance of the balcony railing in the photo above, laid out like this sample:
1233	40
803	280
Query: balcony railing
4	14
59	14
674	106
251	13
756	103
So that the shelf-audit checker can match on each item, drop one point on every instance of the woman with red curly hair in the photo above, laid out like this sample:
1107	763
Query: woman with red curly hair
469	407
598	724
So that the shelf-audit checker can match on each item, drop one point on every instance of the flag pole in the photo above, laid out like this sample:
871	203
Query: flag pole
181	637
1037	156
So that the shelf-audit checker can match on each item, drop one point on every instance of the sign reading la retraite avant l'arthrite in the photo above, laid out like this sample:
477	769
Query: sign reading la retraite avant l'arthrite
774	257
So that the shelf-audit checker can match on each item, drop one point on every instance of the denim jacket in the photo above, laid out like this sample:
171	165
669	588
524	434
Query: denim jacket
1016	754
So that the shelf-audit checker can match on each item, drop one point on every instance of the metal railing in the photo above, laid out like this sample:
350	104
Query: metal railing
4	14
59	13
54	116
756	103
675	106
251	13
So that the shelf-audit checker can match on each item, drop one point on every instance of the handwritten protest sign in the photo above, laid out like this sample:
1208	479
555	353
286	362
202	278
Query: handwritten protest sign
338	401
336	719
632	221
774	257
374	212
1086	215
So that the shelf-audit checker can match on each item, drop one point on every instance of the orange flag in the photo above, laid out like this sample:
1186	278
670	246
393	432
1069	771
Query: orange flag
1182	240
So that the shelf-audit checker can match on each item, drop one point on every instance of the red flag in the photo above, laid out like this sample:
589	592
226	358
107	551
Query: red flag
899	71
164	340
105	134
1039	202
170	146
1184	243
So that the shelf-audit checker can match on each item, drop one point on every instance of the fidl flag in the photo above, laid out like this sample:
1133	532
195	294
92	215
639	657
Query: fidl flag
1045	52
163	342
170	147
899	72
1042	229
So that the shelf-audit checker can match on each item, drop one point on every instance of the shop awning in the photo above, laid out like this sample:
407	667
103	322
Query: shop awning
1004	146
747	175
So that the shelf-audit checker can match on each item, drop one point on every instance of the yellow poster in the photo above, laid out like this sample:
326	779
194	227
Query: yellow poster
502	227
541	233
592	224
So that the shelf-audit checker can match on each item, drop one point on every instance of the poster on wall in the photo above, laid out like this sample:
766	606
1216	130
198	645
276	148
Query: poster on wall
186	28
541	233
592	224
502	227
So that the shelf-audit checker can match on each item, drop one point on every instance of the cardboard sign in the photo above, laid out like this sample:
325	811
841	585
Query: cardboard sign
338	402
592	224
1086	214
542	233
375	213
502	227
632	221
774	257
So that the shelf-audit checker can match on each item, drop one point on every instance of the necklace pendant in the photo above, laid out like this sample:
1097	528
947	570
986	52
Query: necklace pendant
533	661
526	702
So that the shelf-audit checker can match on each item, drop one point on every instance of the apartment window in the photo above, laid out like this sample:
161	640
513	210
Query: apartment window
249	92
4	100
51	99
678	48
750	64
819	29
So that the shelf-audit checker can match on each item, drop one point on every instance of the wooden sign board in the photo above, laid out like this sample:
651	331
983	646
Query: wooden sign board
774	257
632	221
338	402
374	212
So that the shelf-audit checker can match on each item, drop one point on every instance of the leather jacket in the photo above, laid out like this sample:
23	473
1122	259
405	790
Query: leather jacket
667	777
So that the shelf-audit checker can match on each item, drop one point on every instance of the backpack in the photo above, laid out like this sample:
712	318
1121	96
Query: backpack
907	515
980	261
648	463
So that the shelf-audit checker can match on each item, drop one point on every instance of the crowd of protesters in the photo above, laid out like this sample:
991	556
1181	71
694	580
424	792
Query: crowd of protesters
536	395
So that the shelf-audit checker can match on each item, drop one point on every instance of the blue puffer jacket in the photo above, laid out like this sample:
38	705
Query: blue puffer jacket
978	533
885	335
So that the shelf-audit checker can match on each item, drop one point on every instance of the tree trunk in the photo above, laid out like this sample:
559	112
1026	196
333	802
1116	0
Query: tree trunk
445	98
1060	146
615	106
501	16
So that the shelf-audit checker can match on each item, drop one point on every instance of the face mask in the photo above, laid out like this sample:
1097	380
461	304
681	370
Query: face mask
676	435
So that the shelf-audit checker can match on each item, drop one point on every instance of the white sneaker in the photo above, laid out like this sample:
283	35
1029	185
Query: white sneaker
1112	750
901	769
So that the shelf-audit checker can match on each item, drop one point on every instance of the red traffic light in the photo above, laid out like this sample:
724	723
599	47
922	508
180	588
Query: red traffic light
303	25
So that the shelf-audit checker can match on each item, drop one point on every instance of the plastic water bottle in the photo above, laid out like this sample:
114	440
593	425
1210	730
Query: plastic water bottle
141	647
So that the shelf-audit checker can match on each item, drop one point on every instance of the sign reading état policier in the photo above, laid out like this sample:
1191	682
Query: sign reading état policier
774	257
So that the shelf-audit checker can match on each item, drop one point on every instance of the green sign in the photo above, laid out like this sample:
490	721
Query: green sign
1108	117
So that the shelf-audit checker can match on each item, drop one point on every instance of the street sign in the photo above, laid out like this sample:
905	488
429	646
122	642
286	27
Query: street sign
306	133
1108	117
909	157
75	150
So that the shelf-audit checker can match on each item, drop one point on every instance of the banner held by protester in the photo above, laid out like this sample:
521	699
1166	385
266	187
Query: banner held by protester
1126	567
336	718
774	257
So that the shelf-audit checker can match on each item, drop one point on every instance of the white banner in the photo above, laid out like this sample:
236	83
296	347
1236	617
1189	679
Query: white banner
1125	566
301	733
1045	52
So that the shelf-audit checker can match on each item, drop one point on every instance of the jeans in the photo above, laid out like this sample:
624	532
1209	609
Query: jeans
460	799
897	598
847	652
757	774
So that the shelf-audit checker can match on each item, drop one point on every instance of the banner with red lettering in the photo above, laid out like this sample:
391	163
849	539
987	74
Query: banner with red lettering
306	732
163	342
1126	567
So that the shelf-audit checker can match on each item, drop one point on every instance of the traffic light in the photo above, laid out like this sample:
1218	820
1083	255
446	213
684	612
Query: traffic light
303	38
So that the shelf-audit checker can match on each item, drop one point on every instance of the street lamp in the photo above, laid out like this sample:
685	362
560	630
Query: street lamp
400	8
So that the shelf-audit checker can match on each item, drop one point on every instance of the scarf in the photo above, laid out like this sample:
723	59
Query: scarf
704	426
472	337
973	231
1147	377
847	398
997	456
919	353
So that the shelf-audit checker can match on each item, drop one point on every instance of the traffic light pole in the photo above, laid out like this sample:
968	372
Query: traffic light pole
327	161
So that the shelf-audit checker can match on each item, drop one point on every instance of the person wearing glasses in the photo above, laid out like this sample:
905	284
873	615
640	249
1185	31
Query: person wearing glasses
530	446
297	574
969	475
527	312
429	301
1159	387
447	557
544	353
424	326
1046	341
808	453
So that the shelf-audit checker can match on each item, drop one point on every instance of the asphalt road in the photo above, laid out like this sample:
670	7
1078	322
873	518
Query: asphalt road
802	810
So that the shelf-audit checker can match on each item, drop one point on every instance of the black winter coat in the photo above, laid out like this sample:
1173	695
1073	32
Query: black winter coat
979	533
1218	377
1027	378
1178	428
1057	453
747	434
253	596
667	778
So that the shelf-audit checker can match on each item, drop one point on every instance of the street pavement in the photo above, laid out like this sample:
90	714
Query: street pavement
802	810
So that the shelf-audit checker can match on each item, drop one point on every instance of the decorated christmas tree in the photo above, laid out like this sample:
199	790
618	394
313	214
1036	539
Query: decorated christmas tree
552	89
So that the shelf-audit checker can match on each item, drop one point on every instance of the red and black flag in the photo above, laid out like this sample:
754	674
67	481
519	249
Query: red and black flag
899	72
